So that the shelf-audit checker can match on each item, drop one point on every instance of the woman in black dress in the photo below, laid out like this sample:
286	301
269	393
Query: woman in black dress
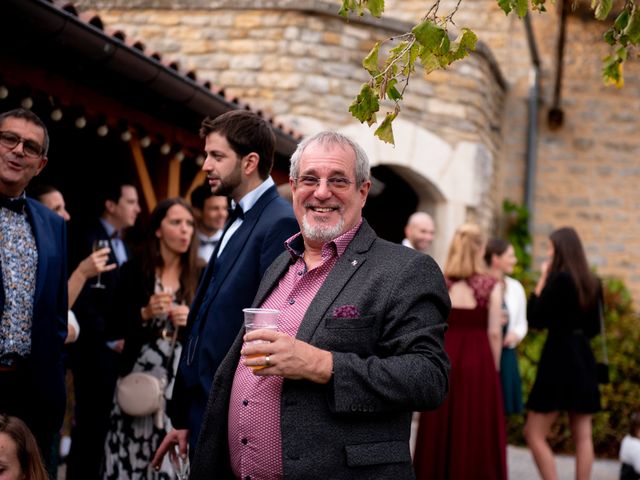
565	302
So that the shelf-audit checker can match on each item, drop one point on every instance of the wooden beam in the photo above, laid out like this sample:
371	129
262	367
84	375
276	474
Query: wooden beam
143	174
196	182
173	187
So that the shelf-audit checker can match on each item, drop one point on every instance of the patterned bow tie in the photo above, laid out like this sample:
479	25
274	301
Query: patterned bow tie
17	204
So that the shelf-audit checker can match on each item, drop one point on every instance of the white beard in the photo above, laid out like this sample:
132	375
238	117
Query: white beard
321	233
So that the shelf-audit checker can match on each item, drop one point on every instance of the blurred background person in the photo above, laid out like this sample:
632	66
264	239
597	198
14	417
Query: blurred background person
630	451
152	299
419	232
501	259
466	437
211	211
19	455
88	268
565	302
94	357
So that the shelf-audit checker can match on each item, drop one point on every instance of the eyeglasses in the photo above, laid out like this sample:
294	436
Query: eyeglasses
333	183
29	147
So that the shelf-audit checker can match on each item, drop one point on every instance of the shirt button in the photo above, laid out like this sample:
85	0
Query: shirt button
245	402
300	272
244	441
291	301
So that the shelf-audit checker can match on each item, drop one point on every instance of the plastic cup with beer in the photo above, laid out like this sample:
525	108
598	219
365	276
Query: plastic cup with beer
260	319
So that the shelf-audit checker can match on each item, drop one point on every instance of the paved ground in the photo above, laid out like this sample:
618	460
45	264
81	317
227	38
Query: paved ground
521	466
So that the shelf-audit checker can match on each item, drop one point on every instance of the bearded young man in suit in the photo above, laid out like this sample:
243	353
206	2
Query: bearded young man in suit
359	346
240	147
33	284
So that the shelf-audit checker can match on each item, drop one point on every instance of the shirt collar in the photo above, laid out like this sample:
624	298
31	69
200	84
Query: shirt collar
250	199
295	244
206	238
110	229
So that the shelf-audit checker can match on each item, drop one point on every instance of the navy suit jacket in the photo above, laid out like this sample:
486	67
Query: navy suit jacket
49	320
388	361
228	285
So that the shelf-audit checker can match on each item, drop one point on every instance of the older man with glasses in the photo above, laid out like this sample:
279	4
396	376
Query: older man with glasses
33	284
359	344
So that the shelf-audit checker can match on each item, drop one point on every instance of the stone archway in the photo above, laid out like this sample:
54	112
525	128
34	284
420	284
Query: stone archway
450	182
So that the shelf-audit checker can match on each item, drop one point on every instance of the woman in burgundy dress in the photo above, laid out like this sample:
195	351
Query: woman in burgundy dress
465	437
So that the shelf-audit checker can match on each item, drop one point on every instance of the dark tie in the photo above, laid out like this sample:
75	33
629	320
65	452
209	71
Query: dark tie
236	213
17	204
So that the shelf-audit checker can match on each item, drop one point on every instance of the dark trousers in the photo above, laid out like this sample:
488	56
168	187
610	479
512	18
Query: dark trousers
94	376
18	398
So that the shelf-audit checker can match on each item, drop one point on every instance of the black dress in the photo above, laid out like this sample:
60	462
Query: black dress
566	378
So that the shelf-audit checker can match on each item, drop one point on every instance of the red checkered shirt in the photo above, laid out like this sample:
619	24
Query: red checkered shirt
255	444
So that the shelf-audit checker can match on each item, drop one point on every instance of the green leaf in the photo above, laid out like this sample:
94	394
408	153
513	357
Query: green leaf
610	36
621	21
522	7
376	7
428	34
392	91
385	132
601	8
505	5
365	106
632	30
370	62
464	44
429	61
445	43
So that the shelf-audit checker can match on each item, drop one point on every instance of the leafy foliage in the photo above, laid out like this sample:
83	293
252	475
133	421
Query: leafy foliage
429	42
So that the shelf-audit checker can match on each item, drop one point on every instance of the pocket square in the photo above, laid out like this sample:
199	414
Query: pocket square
346	311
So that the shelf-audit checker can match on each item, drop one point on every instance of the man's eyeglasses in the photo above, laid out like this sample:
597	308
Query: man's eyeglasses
333	183
29	147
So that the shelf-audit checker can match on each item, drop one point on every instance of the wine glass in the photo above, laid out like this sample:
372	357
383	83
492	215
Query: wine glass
99	245
180	464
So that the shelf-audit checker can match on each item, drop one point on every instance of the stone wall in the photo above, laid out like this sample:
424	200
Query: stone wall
296	60
302	64
589	169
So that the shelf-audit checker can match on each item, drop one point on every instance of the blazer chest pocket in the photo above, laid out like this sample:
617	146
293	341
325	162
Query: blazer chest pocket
357	335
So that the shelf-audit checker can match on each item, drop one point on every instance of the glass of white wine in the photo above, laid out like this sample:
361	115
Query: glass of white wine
99	245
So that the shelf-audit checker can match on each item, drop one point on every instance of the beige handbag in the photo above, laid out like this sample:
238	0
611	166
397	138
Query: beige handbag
140	394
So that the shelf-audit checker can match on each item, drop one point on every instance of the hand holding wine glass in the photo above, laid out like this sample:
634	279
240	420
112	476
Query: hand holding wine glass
180	463
99	245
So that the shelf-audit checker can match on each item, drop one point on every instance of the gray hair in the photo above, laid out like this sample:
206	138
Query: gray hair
332	138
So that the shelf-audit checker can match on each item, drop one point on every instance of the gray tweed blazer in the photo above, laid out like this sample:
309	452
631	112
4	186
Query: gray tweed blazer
388	362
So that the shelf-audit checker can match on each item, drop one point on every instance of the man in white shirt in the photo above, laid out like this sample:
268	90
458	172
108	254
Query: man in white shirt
211	211
419	232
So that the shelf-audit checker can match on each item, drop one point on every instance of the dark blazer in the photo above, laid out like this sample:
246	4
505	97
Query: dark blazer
228	285
387	363
49	320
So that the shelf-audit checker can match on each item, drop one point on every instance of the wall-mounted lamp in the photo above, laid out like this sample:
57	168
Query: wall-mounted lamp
27	103
56	114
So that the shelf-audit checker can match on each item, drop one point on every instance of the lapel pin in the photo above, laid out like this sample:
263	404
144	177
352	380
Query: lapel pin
354	262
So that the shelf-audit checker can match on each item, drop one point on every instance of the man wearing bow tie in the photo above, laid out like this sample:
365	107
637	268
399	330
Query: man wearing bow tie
33	285
210	211
240	147
359	346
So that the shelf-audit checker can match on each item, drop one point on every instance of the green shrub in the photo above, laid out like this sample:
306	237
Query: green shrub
619	398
